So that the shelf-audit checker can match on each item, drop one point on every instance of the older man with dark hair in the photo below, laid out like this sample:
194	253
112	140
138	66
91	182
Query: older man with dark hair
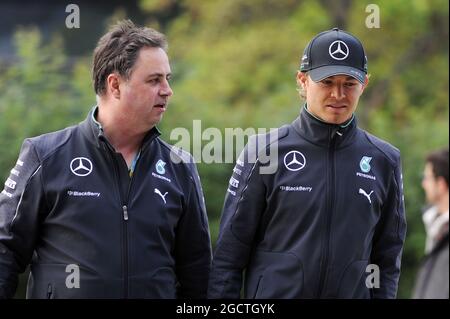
101	209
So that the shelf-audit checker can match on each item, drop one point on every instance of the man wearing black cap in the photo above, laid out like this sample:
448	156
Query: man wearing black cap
330	222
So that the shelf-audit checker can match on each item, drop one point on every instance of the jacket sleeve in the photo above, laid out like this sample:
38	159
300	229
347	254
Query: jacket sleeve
193	243
21	203
243	207
389	238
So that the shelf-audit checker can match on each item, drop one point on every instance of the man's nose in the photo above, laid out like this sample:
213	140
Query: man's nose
166	90
423	183
338	91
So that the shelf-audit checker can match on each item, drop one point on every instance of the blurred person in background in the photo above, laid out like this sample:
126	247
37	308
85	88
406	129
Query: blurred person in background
433	276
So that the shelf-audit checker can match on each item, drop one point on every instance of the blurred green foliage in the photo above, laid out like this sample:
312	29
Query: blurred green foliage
234	64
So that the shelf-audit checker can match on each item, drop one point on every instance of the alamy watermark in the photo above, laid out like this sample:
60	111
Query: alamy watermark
73	19
373	278
225	146
73	279
373	19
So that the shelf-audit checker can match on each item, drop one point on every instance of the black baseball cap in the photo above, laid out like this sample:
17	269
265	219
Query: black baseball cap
334	52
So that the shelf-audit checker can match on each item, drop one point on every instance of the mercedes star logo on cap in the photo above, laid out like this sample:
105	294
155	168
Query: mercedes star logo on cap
338	50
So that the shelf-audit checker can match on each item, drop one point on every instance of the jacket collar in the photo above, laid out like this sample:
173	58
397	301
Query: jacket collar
318	132
436	225
94	131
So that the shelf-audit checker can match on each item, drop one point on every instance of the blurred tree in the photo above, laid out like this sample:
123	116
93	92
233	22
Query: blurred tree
41	92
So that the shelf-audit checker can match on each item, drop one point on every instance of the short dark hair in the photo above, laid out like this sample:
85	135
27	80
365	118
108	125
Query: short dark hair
118	50
439	160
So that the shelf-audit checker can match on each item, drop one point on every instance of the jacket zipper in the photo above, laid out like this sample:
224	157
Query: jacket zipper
125	218
124	211
329	212
125	251
125	215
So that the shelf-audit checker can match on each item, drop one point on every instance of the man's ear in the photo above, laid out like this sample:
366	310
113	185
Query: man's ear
113	85
442	185
366	82
301	80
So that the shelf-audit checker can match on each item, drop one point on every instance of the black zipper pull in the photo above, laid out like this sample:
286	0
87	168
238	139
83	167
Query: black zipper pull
49	291
125	212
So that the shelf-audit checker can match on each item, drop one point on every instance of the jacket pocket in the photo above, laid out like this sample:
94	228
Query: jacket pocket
274	275
52	281
160	284
353	281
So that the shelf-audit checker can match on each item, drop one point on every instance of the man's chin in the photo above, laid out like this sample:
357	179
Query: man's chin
156	120
331	120
336	118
